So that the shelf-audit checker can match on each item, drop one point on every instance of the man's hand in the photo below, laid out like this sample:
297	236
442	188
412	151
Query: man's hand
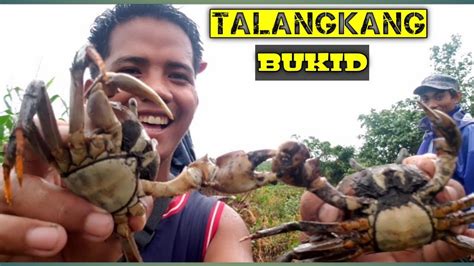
313	208
46	222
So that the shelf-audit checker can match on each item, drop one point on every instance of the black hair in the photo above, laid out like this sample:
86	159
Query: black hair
121	13
453	92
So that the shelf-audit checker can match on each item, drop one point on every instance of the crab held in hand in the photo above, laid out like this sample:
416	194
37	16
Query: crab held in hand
392	208
108	153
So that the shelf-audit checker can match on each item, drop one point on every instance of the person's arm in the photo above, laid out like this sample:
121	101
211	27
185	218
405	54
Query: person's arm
313	208
226	245
467	157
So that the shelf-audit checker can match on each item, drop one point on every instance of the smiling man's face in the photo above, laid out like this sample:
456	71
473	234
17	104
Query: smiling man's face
441	100
159	53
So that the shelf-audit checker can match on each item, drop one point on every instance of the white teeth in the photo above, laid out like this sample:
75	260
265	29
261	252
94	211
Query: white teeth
156	120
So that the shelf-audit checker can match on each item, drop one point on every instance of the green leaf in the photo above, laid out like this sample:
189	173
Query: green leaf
54	98
4	119
48	84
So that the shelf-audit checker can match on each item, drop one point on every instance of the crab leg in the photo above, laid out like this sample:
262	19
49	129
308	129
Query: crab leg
453	206
190	178
341	254
76	100
311	250
77	142
460	241
337	254
455	220
36	101
103	117
324	190
361	224
447	147
334	249
129	246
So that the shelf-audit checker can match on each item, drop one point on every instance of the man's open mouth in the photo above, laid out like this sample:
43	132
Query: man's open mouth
154	121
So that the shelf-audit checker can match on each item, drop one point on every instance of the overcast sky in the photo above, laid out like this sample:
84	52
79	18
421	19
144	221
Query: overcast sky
237	112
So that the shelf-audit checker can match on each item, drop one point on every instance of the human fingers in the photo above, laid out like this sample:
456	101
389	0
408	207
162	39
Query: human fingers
376	257
452	191
24	236
310	205
425	162
312	208
38	199
137	223
438	251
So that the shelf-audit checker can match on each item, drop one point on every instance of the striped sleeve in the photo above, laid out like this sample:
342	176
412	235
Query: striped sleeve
212	225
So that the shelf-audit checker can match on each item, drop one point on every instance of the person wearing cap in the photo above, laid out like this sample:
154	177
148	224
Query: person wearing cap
439	92
442	92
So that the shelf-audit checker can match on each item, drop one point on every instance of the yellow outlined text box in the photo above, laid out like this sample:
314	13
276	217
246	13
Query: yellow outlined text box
318	23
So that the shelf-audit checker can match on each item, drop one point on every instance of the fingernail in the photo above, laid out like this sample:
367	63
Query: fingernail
98	226
43	238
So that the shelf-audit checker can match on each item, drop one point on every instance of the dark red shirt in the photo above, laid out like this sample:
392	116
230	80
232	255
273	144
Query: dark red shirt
185	229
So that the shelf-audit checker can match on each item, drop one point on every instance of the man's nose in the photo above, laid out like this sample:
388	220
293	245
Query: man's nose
161	88
431	103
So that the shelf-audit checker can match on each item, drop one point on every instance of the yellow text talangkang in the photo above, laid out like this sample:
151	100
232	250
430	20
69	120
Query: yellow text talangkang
318	23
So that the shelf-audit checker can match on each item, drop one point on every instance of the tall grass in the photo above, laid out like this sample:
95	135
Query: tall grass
12	99
267	207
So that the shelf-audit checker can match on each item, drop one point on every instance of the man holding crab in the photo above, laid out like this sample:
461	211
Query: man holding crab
160	46
442	92
439	92
49	223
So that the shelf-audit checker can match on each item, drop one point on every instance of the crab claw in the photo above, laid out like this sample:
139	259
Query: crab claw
292	166
235	172
232	173
444	126
132	85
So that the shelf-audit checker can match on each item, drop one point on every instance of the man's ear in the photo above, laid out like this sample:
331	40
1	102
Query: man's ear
458	96
202	66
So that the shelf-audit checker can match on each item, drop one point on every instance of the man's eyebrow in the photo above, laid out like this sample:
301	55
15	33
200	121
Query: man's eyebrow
131	59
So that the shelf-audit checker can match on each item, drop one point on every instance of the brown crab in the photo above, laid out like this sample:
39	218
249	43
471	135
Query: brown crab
109	159
393	207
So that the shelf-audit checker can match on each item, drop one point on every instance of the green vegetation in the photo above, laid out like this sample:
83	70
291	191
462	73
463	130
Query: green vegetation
12	99
267	207
389	130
